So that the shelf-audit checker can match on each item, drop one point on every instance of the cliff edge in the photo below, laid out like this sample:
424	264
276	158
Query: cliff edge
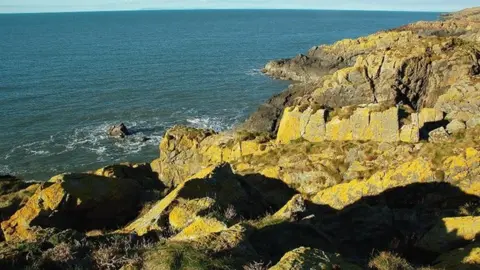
370	160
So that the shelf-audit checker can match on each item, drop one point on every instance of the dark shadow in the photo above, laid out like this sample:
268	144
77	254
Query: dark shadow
251	196
97	202
395	220
431	126
10	184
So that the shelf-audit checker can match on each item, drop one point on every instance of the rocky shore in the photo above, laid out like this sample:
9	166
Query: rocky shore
369	160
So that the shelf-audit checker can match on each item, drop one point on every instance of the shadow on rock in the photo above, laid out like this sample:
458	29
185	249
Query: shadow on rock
420	222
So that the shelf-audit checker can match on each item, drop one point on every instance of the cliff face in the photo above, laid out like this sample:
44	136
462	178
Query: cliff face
372	162
412	65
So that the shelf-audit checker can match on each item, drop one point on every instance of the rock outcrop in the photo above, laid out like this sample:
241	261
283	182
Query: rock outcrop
422	65
119	131
375	151
80	201
205	203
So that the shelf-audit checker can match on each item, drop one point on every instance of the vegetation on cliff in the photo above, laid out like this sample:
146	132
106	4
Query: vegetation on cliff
372	161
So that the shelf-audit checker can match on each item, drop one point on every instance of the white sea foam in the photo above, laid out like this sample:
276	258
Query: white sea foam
206	122
39	152
254	72
5	170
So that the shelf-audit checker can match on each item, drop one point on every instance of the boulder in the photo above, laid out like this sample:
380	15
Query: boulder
438	135
80	201
456	126
119	131
305	258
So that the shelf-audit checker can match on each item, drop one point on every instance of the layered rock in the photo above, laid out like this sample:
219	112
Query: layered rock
360	123
419	65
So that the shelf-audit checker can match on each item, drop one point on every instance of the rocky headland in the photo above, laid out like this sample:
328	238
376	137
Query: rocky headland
369	160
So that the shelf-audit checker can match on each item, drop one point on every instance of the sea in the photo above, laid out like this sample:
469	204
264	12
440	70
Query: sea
66	77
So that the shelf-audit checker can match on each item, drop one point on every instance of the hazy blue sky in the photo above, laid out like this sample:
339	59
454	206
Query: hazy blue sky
75	5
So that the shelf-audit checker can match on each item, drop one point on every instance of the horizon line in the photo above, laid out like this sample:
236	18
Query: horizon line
220	9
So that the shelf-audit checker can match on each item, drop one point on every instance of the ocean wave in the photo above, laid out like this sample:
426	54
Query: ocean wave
254	72
207	122
89	147
39	152
5	170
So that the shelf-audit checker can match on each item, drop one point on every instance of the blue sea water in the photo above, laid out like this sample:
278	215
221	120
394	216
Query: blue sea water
66	77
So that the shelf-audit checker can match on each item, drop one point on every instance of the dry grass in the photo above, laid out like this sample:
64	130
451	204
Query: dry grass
61	253
256	266
389	261
118	252
230	213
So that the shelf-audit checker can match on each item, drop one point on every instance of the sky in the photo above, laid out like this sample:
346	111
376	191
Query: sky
20	6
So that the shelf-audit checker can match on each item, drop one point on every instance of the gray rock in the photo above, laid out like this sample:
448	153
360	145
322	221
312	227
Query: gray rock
119	131
456	126
438	135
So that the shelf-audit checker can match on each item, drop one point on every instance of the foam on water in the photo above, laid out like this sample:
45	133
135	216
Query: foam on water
60	89
206	122
254	72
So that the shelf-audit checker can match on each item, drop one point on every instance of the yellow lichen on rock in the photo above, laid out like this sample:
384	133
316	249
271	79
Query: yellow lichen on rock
360	120
90	197
200	227
305	258
290	126
185	212
465	258
339	130
465	164
429	115
341	195
314	130
293	207
384	126
410	134
11	202
449	232
149	221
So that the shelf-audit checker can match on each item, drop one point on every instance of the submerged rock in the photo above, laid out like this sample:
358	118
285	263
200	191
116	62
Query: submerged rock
119	131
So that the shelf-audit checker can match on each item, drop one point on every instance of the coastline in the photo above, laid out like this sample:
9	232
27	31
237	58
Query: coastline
370	159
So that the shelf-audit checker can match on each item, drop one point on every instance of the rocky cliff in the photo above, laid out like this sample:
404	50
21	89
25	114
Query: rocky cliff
422	65
370	161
